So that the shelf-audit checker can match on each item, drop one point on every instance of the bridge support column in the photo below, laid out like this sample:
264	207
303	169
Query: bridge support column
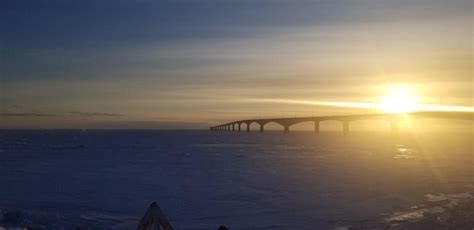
316	126
239	126
261	128
287	129
233	127
248	127
345	127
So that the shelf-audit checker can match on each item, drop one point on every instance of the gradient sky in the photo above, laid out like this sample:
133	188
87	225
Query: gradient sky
190	64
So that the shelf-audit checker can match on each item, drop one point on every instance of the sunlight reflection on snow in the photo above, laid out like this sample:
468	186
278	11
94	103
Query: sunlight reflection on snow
403	152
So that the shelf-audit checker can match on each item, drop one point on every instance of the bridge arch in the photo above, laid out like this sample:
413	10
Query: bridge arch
251	125
239	126
274	125
334	124
302	125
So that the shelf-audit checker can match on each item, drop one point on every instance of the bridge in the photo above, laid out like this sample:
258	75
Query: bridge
345	120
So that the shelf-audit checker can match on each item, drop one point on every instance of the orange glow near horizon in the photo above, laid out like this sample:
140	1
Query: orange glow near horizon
395	99
392	104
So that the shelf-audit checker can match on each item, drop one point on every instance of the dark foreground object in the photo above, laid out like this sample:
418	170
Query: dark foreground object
154	219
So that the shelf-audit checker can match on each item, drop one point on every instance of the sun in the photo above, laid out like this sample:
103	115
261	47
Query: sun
399	100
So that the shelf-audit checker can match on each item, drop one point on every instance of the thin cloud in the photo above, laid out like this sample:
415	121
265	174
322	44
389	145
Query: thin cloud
68	114
94	114
27	115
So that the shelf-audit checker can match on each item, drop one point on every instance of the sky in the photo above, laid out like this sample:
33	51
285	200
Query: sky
192	64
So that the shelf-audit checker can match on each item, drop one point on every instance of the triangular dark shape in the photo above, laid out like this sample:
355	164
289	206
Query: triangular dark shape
154	219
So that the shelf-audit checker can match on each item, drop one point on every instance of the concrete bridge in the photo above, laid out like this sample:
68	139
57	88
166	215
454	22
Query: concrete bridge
345	120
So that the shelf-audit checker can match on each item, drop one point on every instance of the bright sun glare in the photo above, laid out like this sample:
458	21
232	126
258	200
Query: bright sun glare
399	100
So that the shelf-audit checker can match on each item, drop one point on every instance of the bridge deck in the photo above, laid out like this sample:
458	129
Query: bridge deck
345	119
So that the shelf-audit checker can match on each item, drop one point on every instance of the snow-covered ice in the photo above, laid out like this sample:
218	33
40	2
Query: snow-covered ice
201	179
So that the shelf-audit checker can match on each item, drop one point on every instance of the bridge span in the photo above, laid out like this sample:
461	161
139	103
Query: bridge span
345	120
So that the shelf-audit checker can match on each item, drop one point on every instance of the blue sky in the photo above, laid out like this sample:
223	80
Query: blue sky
195	63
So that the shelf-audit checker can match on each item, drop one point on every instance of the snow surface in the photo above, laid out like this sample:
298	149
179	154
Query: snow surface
202	179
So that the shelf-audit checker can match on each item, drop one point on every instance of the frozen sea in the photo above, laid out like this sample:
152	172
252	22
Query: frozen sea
97	179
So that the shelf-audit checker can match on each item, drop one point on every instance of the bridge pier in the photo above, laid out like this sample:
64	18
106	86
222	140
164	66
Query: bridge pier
261	128
233	127
248	127
239	126
287	129
316	126
345	127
